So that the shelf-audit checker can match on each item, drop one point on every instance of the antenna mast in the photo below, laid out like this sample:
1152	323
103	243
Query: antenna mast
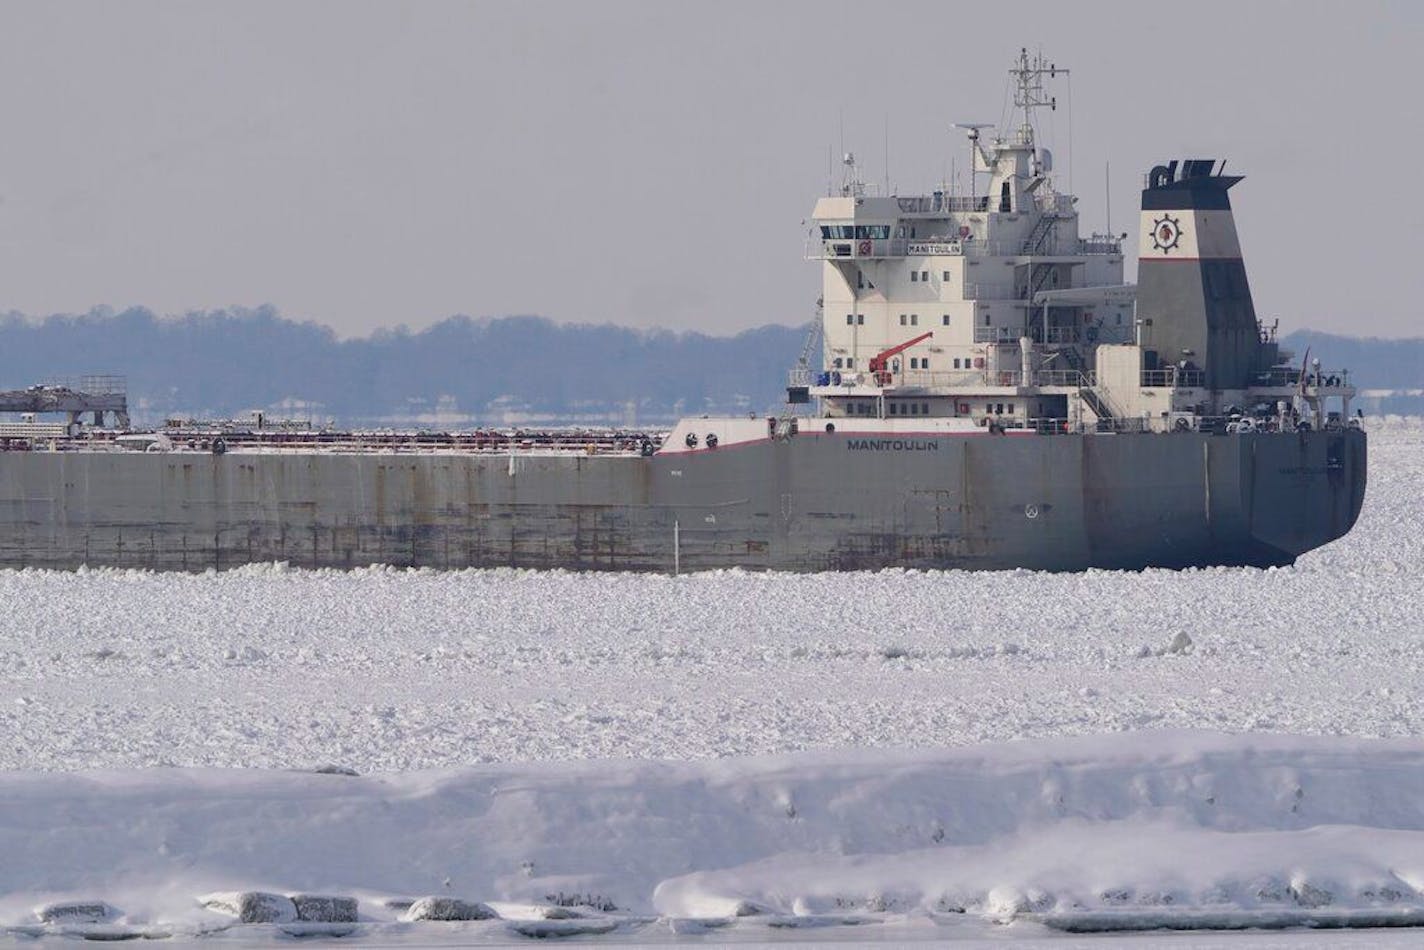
972	130
1029	94
1107	196
851	185
887	152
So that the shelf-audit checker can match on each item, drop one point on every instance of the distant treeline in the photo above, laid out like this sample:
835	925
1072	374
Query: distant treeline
465	371
1373	363
495	371
1390	373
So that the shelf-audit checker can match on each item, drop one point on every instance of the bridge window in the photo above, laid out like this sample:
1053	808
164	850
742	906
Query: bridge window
850	319
1011	408
925	276
924	408
924	362
946	276
944	320
914	319
902	319
914	276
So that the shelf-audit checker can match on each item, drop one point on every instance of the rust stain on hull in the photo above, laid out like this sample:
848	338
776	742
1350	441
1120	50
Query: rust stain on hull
1057	503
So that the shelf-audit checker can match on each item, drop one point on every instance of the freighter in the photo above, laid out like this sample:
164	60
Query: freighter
990	395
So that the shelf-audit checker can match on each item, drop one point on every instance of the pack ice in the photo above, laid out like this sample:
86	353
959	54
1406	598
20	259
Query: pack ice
504	754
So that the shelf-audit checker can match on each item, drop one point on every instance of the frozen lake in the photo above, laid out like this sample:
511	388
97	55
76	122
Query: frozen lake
395	670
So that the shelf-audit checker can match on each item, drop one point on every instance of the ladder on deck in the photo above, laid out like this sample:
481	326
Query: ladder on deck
1034	245
1074	359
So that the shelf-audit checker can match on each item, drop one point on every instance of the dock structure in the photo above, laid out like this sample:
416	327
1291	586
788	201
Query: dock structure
74	396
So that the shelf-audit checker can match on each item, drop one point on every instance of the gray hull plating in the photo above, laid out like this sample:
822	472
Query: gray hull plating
815	502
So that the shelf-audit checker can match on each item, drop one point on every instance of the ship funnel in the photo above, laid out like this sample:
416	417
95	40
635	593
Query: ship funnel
1193	300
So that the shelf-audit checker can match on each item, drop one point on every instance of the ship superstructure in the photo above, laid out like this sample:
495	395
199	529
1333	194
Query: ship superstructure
993	307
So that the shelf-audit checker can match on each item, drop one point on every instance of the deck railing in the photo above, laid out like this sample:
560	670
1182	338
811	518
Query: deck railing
1283	377
94	385
1172	376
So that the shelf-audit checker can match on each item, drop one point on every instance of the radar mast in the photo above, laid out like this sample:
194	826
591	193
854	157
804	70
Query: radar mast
1029	92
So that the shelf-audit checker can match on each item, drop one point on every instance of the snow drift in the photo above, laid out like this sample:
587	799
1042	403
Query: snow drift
1139	827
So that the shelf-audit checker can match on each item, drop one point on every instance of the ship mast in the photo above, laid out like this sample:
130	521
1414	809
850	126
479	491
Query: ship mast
851	184
1029	92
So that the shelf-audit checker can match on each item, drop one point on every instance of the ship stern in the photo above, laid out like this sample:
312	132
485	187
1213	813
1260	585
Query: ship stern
1306	490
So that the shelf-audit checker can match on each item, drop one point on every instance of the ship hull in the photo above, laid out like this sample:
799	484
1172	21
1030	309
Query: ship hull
817	501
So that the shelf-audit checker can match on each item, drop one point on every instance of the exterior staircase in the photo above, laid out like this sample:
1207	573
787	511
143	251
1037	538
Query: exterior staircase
1033	245
1074	360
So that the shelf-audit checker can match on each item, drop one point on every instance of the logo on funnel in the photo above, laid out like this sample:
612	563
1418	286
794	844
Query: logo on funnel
1166	232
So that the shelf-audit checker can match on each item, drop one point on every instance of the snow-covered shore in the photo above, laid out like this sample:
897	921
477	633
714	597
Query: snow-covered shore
1239	745
1140	827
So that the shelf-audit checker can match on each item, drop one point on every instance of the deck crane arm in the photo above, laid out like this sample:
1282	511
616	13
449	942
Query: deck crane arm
878	361
802	372
801	375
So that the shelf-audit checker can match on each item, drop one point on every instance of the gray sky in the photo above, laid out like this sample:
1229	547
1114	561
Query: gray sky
651	164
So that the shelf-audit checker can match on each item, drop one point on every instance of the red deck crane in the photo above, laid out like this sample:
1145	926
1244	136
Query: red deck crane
878	361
